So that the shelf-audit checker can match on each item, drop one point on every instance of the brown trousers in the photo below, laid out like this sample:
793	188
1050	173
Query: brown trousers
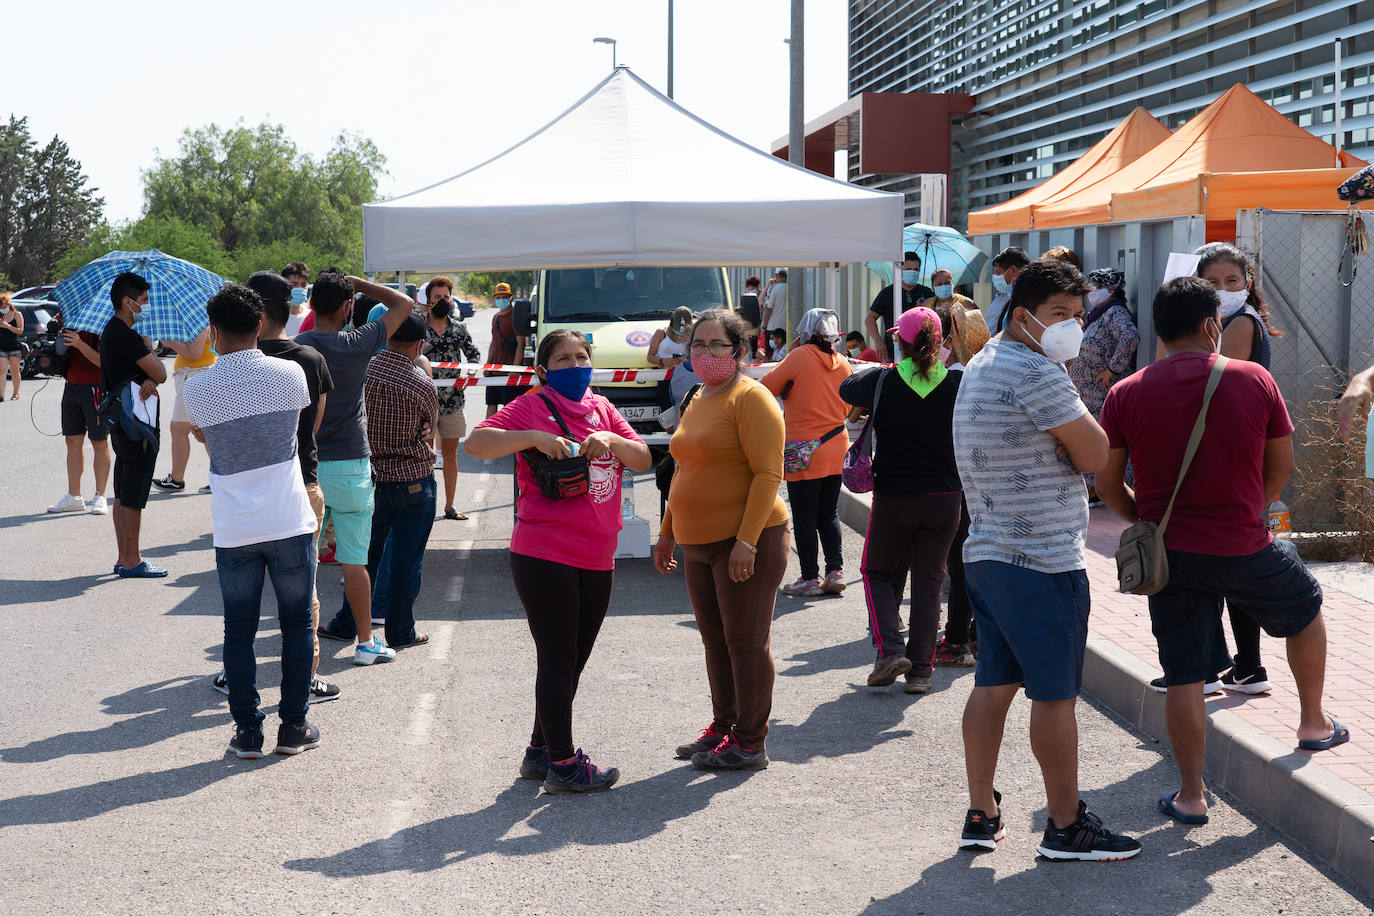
735	620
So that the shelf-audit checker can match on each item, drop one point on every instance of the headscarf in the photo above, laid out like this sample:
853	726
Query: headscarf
1109	278
823	323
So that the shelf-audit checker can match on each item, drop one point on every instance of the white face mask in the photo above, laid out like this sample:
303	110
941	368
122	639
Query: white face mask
1232	301
1216	347
1097	297
1061	340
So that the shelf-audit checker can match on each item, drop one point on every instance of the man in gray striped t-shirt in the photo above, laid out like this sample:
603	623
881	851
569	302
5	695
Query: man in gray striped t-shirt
1022	439
246	408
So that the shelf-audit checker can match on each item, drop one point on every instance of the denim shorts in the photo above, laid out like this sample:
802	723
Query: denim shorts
1271	586
1032	628
347	489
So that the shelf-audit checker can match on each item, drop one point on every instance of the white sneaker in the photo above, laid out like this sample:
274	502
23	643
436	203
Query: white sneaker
68	503
366	653
98	505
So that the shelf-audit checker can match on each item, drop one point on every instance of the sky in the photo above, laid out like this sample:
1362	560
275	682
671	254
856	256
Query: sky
438	86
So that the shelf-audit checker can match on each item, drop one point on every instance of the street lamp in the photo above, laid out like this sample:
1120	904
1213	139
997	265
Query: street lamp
607	41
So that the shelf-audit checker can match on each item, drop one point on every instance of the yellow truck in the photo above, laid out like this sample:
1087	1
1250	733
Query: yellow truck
619	309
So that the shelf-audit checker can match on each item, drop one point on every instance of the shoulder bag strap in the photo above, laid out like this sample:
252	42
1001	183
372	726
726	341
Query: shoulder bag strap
1213	379
877	394
556	415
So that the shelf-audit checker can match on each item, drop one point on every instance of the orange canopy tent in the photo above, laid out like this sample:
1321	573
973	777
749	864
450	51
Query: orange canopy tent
1236	153
1126	142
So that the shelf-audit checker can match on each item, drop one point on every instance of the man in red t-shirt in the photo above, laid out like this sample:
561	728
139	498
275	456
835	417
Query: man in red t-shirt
1217	542
80	400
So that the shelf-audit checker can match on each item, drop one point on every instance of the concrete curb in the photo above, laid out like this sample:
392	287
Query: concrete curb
1317	808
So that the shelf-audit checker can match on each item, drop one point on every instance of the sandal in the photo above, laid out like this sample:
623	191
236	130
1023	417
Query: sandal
1339	735
454	514
419	640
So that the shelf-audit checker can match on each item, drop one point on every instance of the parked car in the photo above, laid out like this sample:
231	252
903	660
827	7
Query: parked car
465	308
35	292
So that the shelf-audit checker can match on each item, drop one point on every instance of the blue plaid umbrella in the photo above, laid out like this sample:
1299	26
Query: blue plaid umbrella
176	298
938	246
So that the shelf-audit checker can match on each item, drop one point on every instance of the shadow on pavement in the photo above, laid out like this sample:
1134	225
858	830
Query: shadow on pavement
83	802
627	813
32	591
162	710
852	723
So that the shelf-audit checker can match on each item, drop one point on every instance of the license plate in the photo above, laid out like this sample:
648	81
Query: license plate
640	413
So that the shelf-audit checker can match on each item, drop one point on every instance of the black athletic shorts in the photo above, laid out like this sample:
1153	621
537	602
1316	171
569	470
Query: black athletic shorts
133	470
79	404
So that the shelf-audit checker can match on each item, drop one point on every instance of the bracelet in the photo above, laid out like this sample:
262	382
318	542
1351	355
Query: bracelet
747	546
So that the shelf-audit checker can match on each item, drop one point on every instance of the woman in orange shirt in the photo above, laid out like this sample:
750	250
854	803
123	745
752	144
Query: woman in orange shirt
808	382
725	509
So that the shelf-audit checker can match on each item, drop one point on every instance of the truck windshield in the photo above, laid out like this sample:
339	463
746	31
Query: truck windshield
630	293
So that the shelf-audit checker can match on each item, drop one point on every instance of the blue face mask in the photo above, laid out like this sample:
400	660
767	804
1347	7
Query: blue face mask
571	382
909	277
1000	284
944	291
298	295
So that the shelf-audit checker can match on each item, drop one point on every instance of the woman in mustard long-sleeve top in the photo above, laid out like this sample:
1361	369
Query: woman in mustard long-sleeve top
724	508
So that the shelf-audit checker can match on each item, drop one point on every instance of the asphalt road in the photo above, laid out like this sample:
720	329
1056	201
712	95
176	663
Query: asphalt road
116	795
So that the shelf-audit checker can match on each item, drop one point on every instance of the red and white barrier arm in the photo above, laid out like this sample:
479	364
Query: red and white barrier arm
523	376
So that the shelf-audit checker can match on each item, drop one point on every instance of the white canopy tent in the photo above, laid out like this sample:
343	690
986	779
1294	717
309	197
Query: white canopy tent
627	177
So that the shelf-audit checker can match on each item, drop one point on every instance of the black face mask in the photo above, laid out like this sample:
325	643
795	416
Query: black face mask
441	309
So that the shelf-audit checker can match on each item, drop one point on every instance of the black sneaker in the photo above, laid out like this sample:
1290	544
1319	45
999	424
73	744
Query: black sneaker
1252	682
321	691
292	739
1086	839
167	483
579	776
247	743
710	737
536	763
981	831
221	683
1210	688
728	755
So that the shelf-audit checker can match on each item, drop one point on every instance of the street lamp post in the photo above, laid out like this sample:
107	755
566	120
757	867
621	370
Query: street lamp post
670	49
607	41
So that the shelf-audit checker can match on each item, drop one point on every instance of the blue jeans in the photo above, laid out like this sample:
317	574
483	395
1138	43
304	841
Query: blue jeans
401	522
291	564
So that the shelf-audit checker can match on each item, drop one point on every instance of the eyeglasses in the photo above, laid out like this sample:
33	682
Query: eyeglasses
715	349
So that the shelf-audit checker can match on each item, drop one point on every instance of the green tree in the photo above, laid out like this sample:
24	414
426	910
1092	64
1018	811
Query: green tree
58	211
169	235
45	205
251	187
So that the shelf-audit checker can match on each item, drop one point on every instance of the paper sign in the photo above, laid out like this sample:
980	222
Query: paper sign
1181	265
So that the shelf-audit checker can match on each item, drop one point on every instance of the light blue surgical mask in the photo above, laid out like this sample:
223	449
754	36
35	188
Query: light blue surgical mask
909	277
502	302
944	291
1000	284
298	295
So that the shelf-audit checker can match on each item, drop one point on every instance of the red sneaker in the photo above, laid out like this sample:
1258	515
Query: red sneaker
327	556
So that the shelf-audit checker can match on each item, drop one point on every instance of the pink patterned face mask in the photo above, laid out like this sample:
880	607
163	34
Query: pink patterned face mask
714	369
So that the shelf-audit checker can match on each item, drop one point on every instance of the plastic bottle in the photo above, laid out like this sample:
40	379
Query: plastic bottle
1280	520
627	500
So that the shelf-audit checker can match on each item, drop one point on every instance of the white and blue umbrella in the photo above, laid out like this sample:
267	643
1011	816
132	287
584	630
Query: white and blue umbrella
938	247
178	291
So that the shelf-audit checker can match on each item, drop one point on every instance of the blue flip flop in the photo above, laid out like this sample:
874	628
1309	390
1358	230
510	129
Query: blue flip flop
143	570
1339	735
1166	806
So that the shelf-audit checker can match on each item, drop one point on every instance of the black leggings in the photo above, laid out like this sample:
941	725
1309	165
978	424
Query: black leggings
815	510
565	606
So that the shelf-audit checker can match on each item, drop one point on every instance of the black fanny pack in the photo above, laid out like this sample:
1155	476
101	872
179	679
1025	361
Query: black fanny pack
558	478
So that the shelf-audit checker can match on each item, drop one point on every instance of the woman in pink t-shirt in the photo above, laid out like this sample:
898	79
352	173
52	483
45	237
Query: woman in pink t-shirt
563	550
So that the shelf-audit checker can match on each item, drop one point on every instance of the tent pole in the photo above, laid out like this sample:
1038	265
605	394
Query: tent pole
401	282
834	292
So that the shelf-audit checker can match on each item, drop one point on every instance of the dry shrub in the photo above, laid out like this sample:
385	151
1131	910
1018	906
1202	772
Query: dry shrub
1328	494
